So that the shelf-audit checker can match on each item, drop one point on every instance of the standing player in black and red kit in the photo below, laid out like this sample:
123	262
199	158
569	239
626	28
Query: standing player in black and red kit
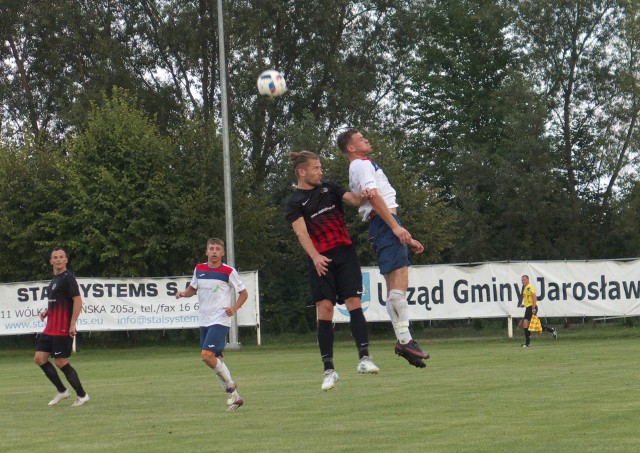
316	214
62	314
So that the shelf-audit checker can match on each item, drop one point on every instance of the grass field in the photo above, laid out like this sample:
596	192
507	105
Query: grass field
487	394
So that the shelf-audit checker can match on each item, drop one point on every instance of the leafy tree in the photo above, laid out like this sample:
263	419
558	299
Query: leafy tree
118	194
584	61
476	129
624	240
58	57
339	69
461	59
26	196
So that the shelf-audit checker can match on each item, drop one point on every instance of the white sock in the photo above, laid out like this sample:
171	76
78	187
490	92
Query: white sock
221	382
222	372
226	370
398	312
234	396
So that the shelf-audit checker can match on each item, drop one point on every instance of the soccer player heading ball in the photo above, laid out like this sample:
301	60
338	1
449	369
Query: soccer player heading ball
388	237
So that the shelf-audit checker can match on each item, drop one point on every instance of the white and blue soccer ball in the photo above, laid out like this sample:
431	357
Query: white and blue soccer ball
271	83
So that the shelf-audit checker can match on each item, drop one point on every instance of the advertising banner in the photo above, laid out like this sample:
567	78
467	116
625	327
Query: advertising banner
490	290
493	290
118	304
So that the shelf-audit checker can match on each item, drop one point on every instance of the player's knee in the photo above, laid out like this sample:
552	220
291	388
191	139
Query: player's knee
397	299
325	310
60	363
208	357
397	302
353	303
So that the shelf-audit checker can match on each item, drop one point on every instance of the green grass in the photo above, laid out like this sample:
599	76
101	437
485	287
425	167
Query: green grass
478	394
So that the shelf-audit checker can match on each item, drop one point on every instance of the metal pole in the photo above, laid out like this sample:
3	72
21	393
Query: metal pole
228	207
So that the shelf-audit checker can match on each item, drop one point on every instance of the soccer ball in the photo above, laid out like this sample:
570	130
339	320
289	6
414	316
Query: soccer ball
271	83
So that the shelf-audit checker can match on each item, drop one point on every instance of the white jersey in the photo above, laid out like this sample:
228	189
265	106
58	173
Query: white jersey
366	174
215	292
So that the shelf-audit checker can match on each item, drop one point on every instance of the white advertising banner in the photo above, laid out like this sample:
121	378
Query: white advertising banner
118	304
493	290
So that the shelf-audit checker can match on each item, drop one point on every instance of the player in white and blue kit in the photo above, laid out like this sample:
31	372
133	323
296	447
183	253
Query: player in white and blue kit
215	282
389	238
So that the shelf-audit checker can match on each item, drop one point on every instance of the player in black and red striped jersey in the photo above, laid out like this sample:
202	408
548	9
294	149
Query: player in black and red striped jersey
65	304
315	211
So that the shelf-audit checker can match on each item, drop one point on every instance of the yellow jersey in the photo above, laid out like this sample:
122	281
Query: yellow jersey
527	295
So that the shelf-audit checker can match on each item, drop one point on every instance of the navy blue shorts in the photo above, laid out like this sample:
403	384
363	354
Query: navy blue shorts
214	338
343	279
58	347
390	252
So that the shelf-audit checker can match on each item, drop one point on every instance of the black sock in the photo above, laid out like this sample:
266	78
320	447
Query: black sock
325	341
527	337
52	374
359	331
74	380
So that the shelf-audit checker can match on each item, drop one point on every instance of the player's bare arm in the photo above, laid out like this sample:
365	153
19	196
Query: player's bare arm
355	199
242	297
190	291
320	262
415	246
77	308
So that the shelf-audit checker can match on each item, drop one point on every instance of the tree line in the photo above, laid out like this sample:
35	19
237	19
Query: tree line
509	129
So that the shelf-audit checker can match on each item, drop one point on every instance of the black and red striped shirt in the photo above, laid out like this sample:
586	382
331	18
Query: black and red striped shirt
323	214
61	291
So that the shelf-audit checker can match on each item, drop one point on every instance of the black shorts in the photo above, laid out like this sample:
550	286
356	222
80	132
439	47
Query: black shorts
528	312
58	347
343	279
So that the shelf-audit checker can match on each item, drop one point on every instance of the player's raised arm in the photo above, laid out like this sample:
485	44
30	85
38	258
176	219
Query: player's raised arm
355	199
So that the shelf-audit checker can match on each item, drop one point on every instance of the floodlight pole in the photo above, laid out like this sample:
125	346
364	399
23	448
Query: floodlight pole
226	157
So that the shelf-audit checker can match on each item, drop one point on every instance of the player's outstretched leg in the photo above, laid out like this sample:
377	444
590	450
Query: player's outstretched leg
406	346
551	330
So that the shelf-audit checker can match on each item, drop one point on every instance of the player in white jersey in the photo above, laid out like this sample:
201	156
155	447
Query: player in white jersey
215	282
388	237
